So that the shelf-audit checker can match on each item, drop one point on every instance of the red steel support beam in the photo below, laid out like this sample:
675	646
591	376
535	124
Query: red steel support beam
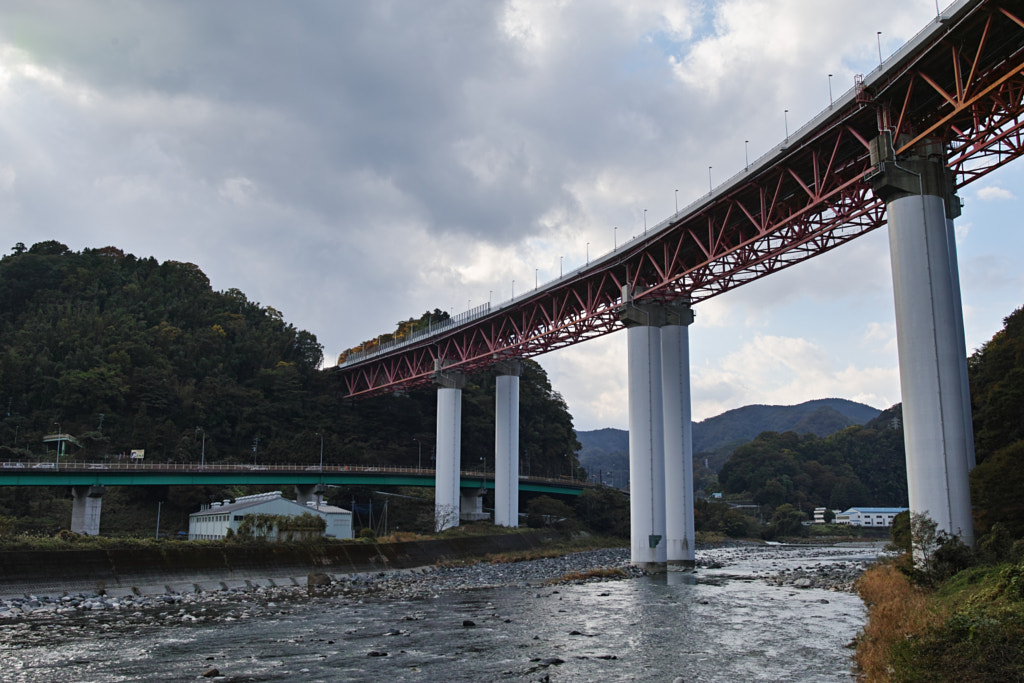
965	85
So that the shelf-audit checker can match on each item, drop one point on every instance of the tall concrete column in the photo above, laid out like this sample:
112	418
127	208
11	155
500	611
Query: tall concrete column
85	509
918	192
646	436
965	385
448	455
506	444
675	367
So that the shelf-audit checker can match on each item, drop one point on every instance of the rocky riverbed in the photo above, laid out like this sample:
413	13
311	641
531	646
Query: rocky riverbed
740	615
819	566
256	598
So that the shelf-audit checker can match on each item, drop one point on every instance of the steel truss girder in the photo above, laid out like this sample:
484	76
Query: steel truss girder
965	88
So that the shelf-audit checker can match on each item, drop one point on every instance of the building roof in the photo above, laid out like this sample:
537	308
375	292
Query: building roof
329	509
241	503
874	511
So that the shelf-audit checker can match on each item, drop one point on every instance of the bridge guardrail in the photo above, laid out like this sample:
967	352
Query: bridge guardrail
179	467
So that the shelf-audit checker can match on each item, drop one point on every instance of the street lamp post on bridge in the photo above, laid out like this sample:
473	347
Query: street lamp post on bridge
202	460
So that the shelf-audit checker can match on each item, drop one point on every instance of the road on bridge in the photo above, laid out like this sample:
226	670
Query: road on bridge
191	474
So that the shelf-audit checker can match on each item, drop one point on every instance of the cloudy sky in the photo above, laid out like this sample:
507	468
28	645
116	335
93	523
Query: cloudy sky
353	164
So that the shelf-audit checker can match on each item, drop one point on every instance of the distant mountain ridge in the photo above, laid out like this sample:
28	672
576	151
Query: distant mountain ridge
820	417
607	449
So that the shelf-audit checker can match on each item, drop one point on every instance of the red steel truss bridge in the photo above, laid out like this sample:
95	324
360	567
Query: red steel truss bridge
960	80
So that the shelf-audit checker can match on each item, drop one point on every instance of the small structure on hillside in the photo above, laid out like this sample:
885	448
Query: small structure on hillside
868	517
219	520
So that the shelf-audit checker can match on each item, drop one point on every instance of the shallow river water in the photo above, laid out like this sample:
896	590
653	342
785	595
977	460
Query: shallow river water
721	624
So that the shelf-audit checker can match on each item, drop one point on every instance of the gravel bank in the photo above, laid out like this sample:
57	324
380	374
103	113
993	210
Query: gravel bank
217	603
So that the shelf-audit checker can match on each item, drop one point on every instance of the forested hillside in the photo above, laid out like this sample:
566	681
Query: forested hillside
867	465
714	439
996	372
127	353
860	465
820	417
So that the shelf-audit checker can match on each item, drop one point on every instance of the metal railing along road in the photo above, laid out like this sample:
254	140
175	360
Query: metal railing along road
289	468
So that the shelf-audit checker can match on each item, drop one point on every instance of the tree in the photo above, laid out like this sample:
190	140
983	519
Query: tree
545	511
788	521
604	510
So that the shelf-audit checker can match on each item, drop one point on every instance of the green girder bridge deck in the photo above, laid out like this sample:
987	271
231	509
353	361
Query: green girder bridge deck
135	474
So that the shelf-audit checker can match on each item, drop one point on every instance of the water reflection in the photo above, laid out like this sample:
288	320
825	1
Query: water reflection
699	626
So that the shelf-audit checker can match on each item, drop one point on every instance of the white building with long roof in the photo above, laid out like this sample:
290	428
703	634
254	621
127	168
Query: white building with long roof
875	517
213	521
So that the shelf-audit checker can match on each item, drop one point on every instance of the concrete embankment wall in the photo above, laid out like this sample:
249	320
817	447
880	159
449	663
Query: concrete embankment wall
185	564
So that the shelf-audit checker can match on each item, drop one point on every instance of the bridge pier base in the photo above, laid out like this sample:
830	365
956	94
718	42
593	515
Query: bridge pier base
85	509
646	436
938	434
471	504
449	448
675	367
307	493
506	444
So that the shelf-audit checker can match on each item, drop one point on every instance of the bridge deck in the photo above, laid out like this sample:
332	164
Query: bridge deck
190	474
960	80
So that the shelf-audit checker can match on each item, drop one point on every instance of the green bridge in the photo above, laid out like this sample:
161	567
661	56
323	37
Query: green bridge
173	474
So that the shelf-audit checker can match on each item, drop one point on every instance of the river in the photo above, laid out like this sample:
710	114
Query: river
723	622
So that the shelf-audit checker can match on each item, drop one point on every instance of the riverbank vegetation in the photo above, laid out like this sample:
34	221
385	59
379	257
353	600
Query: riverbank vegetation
960	618
958	614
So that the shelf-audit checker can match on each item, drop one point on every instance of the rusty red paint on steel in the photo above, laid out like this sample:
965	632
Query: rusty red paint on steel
965	86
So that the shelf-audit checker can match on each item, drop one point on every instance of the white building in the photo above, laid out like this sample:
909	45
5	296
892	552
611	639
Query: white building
873	517
819	515
213	521
339	520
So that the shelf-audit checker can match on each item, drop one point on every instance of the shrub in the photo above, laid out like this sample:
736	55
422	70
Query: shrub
68	536
901	541
996	545
545	511
7	525
937	555
897	610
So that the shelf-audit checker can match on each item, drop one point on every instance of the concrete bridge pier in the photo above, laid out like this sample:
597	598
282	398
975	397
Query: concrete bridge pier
449	447
506	444
918	191
307	493
646	434
675	388
85	509
471	504
965	385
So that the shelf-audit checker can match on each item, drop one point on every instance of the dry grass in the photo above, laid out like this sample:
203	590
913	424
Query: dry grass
526	555
403	537
897	610
555	549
